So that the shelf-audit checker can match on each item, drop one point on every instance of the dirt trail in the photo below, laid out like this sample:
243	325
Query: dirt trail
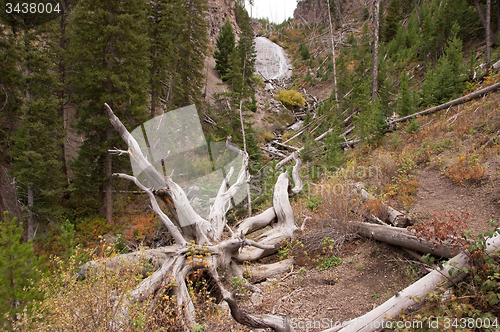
437	193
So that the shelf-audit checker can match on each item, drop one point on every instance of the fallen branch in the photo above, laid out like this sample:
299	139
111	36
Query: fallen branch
490	140
403	238
395	217
454	102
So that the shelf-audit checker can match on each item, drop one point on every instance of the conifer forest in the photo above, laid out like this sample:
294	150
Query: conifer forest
176	165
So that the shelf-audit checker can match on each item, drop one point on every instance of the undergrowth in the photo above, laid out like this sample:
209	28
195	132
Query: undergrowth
473	304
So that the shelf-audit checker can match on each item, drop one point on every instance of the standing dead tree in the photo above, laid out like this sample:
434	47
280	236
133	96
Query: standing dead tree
223	248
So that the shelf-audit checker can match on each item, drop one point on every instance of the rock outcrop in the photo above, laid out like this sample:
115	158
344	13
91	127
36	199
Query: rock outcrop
312	11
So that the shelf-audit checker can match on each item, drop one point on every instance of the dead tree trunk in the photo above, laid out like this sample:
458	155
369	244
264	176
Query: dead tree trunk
375	51
395	217
488	34
335	88
483	21
454	102
206	235
403	238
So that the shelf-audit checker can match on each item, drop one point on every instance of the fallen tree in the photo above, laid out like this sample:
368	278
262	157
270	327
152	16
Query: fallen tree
207	244
444	277
447	105
394	217
402	237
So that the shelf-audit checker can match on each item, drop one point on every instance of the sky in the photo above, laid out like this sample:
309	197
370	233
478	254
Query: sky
276	11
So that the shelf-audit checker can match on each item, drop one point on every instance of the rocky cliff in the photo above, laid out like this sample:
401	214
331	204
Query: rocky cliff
218	12
312	11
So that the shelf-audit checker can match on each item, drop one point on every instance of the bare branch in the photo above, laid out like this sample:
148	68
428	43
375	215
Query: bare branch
276	323
172	229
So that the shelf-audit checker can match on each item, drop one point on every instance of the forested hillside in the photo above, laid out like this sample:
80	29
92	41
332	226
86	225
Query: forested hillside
362	72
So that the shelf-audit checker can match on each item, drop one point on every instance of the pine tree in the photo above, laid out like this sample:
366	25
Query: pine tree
447	80
109	51
405	100
19	270
246	44
392	20
177	30
191	47
10	85
36	151
225	43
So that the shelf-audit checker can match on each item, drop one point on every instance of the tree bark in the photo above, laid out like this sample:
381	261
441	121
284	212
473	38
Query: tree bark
30	227
488	34
403	238
335	88
418	13
108	171
483	21
375	51
63	44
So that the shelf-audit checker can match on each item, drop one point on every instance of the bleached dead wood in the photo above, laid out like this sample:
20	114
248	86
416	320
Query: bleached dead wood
395	217
490	140
454	102
222	256
373	320
402	237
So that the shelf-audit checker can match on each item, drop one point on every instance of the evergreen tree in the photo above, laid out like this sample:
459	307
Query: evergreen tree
162	26
405	100
36	151
392	20
10	85
177	30
234	76
109	51
447	80
246	43
333	142
191	48
225	43
19	270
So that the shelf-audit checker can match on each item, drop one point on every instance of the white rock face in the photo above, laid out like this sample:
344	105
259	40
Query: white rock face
272	61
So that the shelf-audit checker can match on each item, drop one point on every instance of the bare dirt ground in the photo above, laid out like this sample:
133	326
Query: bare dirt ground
437	193
372	272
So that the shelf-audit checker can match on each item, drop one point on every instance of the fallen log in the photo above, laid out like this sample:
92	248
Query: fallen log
403	238
395	217
490	140
375	319
454	102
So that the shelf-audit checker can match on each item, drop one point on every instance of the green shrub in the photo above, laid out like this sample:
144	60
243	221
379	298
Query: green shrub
413	127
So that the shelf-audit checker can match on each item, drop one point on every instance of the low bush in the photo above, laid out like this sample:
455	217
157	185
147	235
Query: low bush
291	98
466	169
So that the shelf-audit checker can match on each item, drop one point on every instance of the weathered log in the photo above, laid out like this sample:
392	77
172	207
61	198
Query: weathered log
288	147
403	238
454	102
260	273
154	258
490	140
373	320
395	217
